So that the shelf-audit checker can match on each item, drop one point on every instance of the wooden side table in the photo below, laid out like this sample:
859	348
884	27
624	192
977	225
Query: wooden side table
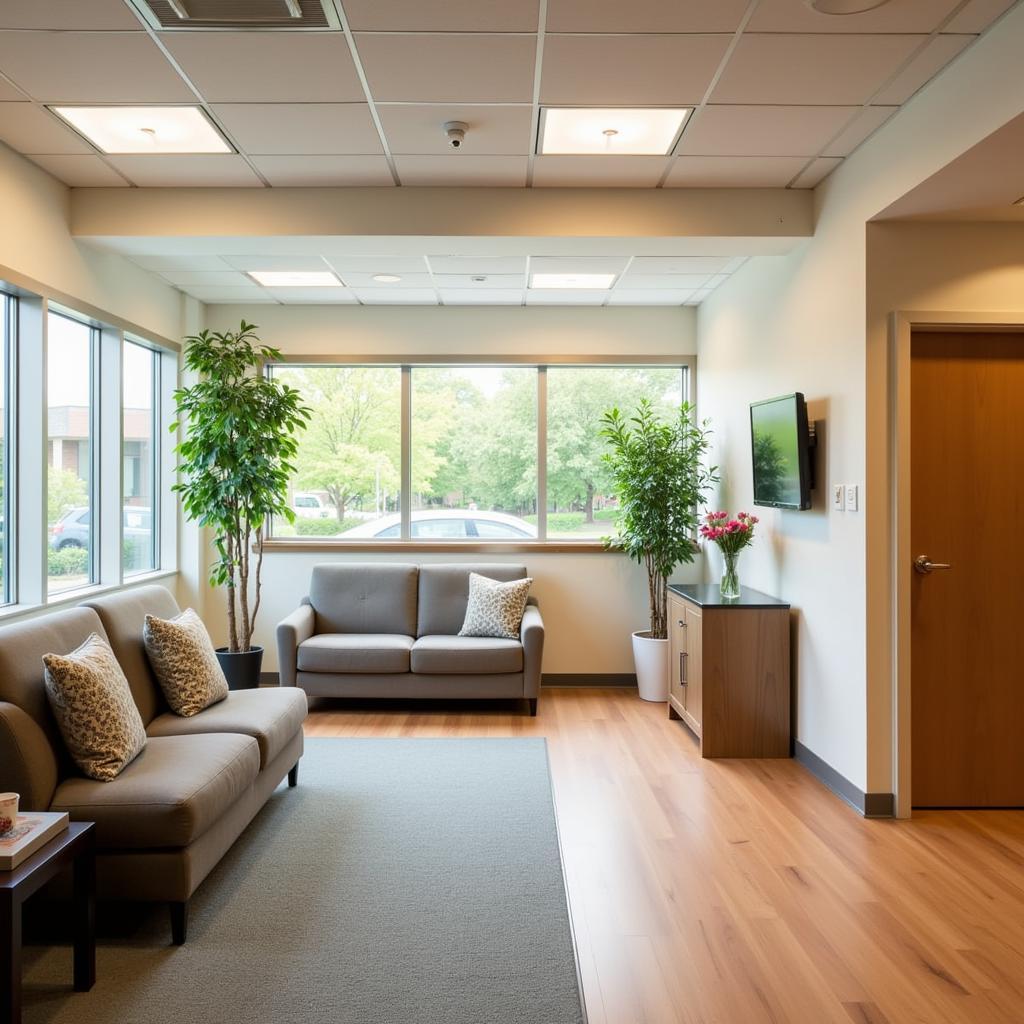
74	848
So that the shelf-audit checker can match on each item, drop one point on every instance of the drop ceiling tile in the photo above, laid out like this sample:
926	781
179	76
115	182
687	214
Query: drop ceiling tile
443	15
257	67
354	279
678	264
9	92
598	171
448	68
978	15
462	169
91	67
490	282
629	70
734	264
649	297
566	296
762	130
478	264
186	171
578	264
287	264
344	263
733	171
80	171
417	127
925	66
397	296
867	121
828	69
633	280
229	294
644	16
324	171
26	128
921	16
481	297
165	264
817	171
313	296
209	279
289	128
97	15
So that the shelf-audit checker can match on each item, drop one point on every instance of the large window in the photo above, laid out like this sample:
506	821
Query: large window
70	355
464	443
7	321
140	470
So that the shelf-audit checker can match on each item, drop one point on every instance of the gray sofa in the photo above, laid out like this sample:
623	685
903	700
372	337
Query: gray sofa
167	819
390	630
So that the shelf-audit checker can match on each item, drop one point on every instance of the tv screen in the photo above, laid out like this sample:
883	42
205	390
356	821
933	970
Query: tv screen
781	447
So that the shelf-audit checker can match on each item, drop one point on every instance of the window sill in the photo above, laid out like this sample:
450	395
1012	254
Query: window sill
549	547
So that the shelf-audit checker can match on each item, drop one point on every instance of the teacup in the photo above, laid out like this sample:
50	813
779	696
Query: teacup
8	812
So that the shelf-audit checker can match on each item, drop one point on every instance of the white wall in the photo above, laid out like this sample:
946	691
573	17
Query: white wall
35	241
591	601
798	323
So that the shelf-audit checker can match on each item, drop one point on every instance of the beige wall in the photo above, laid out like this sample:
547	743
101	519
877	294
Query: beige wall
591	601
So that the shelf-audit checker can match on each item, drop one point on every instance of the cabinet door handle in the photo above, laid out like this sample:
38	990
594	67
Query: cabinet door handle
681	624
682	665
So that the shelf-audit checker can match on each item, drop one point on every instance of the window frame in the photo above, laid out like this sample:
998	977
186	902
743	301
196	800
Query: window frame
155	461
9	504
687	364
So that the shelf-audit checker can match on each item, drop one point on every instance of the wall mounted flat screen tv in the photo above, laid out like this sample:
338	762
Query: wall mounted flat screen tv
781	442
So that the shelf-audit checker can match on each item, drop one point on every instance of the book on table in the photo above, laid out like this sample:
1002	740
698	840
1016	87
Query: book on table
31	832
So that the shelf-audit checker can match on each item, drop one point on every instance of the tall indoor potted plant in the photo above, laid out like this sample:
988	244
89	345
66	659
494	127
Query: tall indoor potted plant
660	478
235	460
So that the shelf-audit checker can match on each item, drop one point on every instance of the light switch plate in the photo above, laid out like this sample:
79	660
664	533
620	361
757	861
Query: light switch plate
838	497
851	497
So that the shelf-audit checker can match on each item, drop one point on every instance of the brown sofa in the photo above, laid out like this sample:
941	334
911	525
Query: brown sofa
168	818
390	630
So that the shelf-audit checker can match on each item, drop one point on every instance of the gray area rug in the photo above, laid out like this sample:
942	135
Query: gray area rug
405	881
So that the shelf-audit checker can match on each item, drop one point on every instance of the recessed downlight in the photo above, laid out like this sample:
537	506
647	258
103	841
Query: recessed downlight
613	131
571	280
295	278
386	278
145	129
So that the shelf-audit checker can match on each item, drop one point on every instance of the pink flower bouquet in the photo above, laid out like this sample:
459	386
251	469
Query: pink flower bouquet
731	535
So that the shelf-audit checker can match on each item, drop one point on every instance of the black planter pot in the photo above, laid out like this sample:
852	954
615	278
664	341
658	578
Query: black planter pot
242	670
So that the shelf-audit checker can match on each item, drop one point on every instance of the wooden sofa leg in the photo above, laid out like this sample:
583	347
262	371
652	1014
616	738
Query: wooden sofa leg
293	775
533	706
179	923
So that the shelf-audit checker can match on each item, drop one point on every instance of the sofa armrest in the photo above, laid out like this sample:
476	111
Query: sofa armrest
531	633
291	632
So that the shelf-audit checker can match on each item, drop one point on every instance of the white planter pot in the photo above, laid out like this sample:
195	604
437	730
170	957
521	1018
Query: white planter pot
651	660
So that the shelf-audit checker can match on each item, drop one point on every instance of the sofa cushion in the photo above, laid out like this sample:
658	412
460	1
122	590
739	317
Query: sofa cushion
364	597
495	609
466	655
169	795
444	594
355	652
271	715
186	666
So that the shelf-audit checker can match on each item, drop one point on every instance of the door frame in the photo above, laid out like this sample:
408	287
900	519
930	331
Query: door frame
902	325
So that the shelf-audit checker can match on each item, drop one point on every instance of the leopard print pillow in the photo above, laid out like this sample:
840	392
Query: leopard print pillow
185	663
494	608
93	705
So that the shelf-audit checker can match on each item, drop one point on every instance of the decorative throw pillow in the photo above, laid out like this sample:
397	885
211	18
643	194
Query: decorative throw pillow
93	705
495	609
185	663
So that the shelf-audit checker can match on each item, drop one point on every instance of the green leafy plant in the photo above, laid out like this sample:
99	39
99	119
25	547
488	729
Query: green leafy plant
242	430
659	474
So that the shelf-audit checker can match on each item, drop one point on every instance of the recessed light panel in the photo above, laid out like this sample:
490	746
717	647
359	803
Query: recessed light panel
612	131
386	278
295	278
146	129
571	280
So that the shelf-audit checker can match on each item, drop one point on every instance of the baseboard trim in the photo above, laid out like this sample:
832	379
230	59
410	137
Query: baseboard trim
588	679
870	805
270	679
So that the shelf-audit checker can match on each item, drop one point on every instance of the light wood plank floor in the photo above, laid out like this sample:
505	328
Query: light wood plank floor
741	892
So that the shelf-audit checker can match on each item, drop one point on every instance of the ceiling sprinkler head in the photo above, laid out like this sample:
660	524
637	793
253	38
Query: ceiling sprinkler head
455	133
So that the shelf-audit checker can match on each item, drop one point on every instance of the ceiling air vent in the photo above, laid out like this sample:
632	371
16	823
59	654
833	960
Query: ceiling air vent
238	14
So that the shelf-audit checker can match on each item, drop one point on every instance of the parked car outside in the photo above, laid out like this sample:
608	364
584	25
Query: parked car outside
312	506
448	524
72	529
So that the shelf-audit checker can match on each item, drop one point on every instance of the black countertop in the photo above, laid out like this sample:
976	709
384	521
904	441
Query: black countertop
709	595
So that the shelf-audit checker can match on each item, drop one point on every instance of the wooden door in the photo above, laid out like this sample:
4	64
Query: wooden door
967	510
677	650
693	670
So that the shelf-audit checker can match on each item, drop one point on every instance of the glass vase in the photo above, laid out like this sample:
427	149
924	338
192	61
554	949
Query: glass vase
730	575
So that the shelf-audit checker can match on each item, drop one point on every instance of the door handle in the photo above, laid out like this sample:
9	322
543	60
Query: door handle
682	665
681	624
925	566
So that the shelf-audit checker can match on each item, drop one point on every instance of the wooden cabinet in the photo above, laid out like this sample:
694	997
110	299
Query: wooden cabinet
729	673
